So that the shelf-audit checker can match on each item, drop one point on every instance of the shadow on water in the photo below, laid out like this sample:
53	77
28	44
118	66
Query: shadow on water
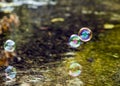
49	41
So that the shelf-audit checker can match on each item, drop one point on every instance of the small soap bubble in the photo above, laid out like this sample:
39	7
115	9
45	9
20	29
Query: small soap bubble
9	46
74	41
10	72
85	34
75	69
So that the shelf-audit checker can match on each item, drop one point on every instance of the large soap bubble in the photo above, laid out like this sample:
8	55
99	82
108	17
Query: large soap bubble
75	69
85	34
10	72
9	46
74	41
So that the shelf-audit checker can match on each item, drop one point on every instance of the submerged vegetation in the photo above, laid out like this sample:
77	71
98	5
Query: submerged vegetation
100	60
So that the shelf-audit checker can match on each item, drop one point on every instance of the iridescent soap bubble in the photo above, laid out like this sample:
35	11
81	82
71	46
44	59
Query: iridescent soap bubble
74	41
85	34
75	69
9	46
10	72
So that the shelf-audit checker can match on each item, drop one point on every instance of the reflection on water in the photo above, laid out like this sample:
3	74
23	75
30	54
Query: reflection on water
9	7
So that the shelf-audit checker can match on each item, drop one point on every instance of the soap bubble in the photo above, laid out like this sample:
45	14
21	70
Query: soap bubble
9	46
74	41
75	69
85	34
10	72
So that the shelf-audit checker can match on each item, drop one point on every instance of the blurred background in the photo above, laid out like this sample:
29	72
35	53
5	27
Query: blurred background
41	30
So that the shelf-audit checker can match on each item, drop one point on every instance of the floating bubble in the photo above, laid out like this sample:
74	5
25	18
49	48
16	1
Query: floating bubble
10	72
74	41
9	46
85	34
75	69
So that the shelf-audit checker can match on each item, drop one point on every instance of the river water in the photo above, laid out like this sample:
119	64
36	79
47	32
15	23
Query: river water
43	45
